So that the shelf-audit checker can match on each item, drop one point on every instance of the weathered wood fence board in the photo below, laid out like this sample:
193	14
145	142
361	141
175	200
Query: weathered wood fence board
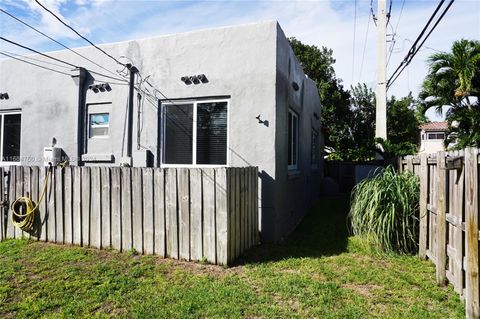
192	214
449	217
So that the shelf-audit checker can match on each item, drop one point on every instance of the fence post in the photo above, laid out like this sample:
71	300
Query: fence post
471	233
441	220
410	164
400	164
422	236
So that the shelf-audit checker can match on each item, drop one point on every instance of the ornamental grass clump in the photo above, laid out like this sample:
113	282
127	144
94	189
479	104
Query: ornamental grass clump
385	209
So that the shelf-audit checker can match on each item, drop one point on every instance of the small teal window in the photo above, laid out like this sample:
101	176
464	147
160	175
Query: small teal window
99	125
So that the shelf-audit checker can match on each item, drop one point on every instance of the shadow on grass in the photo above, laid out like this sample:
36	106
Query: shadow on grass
323	232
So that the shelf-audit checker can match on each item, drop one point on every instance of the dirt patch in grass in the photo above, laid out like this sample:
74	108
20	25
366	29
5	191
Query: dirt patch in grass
365	290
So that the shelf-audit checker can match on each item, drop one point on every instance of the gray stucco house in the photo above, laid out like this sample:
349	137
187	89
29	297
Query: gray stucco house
233	96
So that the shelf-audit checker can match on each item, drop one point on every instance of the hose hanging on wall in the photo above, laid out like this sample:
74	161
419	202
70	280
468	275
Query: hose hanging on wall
26	221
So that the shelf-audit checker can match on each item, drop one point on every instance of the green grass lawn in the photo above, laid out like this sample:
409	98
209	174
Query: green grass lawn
320	272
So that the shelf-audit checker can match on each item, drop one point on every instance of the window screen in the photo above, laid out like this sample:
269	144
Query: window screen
212	133
178	134
11	137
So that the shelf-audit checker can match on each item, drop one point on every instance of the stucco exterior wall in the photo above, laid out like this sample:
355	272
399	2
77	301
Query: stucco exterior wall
428	146
251	65
296	189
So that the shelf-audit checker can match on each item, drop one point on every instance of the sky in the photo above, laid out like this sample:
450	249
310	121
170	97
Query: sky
344	26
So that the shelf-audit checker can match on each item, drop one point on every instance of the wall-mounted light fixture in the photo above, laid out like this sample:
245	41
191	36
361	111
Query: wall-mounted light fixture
100	87
4	96
194	79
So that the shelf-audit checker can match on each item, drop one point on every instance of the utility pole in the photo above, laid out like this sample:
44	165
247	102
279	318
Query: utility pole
381	91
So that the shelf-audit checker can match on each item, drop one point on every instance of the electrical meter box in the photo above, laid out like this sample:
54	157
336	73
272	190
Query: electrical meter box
52	156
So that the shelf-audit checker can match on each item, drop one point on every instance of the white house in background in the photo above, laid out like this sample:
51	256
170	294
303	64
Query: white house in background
432	137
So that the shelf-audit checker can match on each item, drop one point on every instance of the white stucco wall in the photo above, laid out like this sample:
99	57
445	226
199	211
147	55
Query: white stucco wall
430	146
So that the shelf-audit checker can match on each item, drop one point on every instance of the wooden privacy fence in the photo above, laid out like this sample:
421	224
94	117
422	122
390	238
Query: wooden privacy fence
449	233
193	214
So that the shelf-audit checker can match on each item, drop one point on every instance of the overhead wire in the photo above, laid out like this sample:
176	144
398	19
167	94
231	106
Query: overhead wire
56	41
38	52
394	34
38	60
59	60
31	63
414	49
364	47
77	33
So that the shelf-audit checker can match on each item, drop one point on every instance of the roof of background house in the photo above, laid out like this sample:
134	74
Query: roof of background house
434	126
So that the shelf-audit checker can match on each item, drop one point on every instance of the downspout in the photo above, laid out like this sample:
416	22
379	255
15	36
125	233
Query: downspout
131	87
79	76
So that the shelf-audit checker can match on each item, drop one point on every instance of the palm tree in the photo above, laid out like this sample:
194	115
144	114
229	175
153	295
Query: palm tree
454	79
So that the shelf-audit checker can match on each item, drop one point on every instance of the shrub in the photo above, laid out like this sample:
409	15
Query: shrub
385	208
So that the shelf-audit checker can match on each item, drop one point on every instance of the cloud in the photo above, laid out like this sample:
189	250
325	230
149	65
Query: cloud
323	23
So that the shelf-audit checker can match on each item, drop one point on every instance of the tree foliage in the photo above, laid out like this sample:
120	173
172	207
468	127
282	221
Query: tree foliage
349	115
453	80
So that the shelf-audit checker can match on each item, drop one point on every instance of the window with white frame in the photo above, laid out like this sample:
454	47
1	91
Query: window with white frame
436	136
314	149
292	140
99	125
195	133
10	135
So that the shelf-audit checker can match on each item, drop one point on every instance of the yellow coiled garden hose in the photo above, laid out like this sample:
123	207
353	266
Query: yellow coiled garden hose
25	221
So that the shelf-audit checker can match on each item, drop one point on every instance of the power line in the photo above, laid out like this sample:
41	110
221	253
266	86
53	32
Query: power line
31	63
414	49
364	47
38	52
59	60
77	33
389	12
56	41
399	16
38	60
394	34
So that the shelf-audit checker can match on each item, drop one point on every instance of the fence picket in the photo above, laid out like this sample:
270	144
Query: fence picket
106	213
222	218
137	209
159	213
441	252
183	213
209	242
171	212
77	206
126	199
148	214
196	241
96	208
471	240
422	246
59	206
116	215
68	208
